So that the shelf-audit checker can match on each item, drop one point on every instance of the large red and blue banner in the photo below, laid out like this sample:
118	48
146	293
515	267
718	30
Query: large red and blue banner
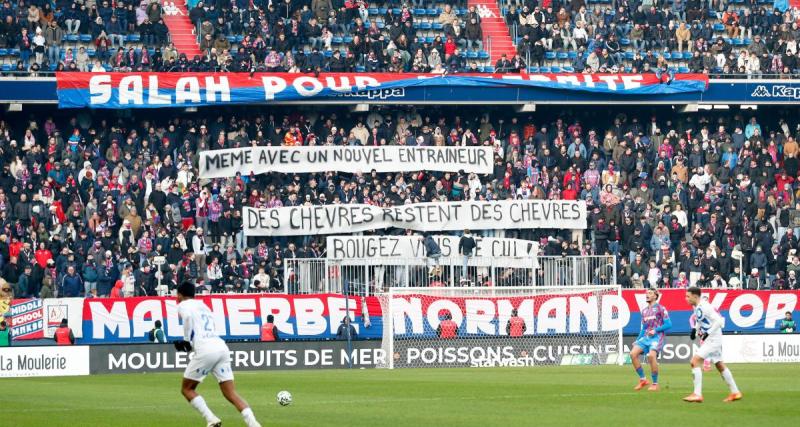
317	317
236	317
159	90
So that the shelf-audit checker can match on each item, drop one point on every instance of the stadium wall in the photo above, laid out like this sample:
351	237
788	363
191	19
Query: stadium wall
52	361
754	92
317	317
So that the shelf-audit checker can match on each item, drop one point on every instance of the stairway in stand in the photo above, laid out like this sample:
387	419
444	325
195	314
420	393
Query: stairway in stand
495	27
176	17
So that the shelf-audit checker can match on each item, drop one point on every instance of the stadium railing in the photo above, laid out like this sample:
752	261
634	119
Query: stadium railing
371	276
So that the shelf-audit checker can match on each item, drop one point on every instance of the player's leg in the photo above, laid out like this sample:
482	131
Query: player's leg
224	374
195	372
652	358
188	389
229	391
728	377
636	353
697	377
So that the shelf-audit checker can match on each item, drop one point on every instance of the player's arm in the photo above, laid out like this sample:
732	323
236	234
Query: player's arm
642	329
666	322
715	319
184	344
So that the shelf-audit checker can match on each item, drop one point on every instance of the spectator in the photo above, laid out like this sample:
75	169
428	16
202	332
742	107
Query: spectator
5	334
346	331
63	334
269	332
156	335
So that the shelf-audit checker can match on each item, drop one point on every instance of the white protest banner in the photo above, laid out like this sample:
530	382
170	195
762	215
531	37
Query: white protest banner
438	216
349	159
391	250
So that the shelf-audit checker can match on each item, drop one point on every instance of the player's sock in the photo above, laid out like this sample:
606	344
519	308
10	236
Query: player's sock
728	377
249	418
697	374
199	404
640	372
654	376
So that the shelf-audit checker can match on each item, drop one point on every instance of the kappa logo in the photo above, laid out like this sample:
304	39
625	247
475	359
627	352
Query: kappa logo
776	91
761	92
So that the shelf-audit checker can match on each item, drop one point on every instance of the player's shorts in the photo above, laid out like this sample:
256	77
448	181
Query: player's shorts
648	344
711	350
217	363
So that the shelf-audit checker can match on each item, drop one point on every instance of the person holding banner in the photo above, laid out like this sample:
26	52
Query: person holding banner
433	251
465	247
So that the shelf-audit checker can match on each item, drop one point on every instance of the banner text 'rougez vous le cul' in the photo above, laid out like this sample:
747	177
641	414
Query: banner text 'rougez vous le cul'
438	216
158	90
348	159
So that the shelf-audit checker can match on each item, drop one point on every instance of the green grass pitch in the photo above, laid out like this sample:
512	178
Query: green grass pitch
571	396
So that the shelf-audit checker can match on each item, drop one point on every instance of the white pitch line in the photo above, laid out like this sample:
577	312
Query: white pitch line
370	400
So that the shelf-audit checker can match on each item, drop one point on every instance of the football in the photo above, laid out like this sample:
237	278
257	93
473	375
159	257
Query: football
284	398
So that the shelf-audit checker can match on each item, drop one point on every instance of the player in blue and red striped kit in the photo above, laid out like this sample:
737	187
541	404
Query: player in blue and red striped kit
652	337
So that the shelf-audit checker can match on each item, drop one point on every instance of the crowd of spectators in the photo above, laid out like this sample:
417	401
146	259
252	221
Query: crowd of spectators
88	203
720	38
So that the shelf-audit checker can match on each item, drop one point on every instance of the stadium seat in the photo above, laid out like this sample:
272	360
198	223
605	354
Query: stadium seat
550	55
231	39
13	52
719	27
555	69
347	39
746	41
533	69
568	69
433	12
360	69
437	26
328	53
425	25
6	67
625	42
239	38
336	40
629	55
544	69
687	55
667	56
3	52
85	38
420	12
71	37
677	56
683	70
382	10
396	10
472	55
562	56
373	11
572	55
488	69
483	55
133	38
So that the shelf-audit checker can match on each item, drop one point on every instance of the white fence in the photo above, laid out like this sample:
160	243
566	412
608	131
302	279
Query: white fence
369	276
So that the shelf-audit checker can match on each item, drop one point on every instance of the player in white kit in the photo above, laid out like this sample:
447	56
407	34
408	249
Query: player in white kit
211	356
708	326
